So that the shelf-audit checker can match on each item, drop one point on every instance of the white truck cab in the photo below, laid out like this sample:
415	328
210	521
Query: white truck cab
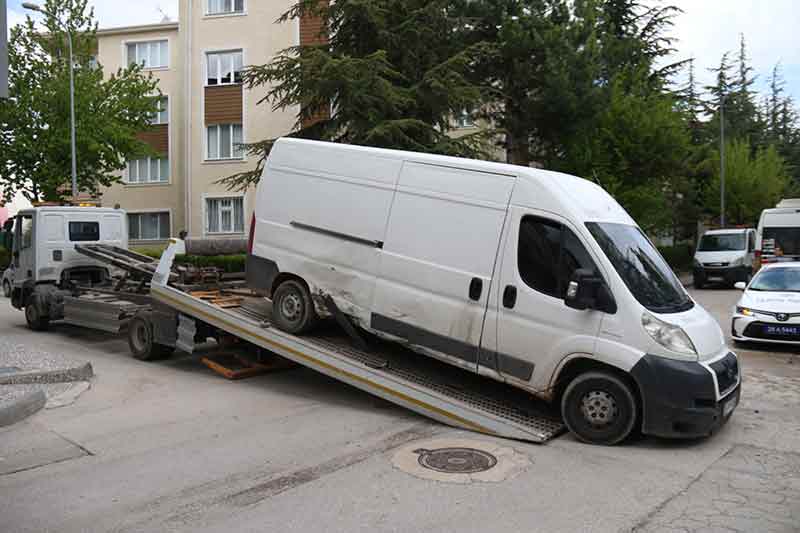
778	234
44	256
727	255
534	278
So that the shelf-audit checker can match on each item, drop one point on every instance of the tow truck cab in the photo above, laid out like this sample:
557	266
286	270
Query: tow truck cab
43	253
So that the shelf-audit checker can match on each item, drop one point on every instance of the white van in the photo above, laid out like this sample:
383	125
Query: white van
726	255
530	277
778	235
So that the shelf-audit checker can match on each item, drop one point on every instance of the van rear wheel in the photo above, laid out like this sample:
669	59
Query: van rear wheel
292	307
599	408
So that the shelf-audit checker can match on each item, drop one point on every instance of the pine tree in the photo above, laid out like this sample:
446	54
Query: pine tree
394	74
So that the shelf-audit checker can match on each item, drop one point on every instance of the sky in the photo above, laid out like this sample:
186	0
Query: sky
705	30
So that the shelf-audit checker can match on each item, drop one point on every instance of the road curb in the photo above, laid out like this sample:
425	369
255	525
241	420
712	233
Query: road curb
65	375
22	408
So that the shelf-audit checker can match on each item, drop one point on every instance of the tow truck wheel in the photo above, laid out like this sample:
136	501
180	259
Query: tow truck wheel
33	315
599	408
140	341
292	307
7	289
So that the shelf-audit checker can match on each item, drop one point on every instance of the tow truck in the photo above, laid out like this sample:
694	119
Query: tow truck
162	306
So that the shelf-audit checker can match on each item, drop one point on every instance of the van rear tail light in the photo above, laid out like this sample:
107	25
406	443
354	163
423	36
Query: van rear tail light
252	235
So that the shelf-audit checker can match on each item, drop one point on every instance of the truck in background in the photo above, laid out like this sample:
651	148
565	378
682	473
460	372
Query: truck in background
726	255
778	234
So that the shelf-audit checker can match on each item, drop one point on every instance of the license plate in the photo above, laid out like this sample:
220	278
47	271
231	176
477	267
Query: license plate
730	405
782	330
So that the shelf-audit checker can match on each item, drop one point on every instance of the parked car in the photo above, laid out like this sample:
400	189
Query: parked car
778	235
769	309
725	255
8	281
537	279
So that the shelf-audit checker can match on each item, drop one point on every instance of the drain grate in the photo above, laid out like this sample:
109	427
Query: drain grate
456	460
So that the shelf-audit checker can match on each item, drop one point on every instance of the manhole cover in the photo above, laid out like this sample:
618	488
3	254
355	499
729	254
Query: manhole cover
456	460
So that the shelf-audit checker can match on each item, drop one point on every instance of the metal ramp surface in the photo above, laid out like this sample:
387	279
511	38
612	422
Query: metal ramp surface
432	388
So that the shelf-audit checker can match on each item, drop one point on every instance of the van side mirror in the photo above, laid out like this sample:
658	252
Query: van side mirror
741	285
587	290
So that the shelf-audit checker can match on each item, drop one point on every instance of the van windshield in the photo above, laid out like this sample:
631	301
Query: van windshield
781	241
641	267
727	242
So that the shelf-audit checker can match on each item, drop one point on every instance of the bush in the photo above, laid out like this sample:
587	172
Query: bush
679	257
227	263
5	259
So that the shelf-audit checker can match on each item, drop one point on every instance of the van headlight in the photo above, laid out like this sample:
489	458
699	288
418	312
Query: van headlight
671	337
739	261
697	263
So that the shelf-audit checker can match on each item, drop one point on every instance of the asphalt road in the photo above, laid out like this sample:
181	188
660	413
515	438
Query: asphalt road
172	447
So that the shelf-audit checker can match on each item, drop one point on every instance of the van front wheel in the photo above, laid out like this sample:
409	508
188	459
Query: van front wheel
599	408
292	307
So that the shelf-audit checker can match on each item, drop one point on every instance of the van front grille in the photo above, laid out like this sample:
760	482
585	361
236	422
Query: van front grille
727	372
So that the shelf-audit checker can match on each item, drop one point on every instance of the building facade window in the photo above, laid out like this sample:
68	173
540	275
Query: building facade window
224	68
162	115
149	54
225	215
224	142
148	170
224	7
148	226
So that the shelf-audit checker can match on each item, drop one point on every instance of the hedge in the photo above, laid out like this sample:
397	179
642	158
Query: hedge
5	259
679	257
227	263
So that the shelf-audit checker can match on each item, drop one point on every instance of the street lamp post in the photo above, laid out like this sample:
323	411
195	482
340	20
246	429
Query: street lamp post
36	7
722	161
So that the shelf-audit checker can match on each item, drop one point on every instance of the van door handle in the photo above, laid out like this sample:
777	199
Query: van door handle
475	289
510	297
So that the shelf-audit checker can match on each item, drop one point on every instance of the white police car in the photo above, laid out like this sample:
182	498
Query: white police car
769	309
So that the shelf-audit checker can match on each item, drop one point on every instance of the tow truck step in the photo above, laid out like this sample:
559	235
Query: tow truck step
437	390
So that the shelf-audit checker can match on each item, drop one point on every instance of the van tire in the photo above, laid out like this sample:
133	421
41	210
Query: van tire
589	399
7	289
292	307
141	343
34	317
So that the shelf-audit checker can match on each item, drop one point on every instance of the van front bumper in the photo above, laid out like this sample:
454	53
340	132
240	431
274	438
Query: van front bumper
683	399
727	274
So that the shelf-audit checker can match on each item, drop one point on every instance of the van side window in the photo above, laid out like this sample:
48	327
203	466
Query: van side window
548	256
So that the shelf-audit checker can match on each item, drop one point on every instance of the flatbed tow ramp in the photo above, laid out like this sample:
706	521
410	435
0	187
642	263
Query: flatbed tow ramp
434	389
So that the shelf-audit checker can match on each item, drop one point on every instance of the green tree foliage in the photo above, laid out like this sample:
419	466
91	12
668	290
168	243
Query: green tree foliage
754	180
35	120
394	72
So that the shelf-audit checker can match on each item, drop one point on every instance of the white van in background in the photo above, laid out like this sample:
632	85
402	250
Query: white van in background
726	255
534	278
778	235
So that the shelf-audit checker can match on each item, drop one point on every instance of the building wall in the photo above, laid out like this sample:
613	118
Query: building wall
260	39
169	197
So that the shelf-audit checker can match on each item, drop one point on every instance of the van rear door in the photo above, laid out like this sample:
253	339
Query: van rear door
438	261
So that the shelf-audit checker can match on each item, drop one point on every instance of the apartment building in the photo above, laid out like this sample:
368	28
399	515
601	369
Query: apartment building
205	113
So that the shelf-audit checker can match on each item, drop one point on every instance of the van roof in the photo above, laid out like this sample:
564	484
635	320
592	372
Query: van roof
561	193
